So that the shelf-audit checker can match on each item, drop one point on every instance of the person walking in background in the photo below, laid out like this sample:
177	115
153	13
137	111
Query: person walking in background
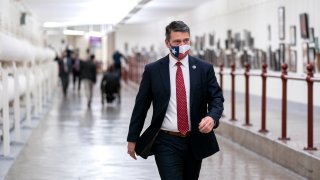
76	71
118	59
64	71
152	55
187	105
89	76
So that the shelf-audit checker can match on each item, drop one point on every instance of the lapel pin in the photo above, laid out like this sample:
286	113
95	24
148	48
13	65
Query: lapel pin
194	67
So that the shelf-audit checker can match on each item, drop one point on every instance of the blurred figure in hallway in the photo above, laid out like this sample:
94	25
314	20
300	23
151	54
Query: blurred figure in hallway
76	71
89	76
118	60
187	105
110	86
152	55
64	71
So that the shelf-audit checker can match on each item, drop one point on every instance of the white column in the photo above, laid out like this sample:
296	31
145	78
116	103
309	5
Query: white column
28	94
49	81
6	123
17	127
35	90
41	83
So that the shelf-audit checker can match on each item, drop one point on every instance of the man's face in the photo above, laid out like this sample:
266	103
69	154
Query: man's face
178	39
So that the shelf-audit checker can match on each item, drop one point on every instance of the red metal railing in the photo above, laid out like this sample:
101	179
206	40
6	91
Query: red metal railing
233	94
284	78
284	103
264	99
247	93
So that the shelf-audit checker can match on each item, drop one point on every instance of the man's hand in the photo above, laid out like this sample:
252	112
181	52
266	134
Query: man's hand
131	151
206	125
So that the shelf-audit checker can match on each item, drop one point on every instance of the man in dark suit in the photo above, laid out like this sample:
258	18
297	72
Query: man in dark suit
187	105
76	71
89	77
64	71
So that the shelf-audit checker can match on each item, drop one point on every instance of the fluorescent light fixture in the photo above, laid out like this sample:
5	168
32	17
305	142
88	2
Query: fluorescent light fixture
73	32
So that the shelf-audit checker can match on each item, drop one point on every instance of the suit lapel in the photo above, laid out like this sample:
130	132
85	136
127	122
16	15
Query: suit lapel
165	75
193	77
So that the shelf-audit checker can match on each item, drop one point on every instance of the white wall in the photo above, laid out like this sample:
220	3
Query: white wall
10	12
141	35
237	15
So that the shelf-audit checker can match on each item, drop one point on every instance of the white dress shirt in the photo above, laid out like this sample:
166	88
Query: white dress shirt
170	119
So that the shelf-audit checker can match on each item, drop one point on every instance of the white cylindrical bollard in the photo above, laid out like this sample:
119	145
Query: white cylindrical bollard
6	121
17	127
28	98
41	84
35	90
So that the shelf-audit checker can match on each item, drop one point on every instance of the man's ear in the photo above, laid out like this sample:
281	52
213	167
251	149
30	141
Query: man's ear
167	43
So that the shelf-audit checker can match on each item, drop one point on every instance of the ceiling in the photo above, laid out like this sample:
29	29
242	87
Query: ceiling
109	12
157	9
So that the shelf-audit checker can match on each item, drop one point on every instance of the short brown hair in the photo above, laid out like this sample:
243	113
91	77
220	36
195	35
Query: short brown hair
176	26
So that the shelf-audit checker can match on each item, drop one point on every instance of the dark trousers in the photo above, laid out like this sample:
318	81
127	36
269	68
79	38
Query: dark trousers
174	159
64	83
76	76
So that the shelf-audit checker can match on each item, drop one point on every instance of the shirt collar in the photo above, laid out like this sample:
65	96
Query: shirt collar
173	61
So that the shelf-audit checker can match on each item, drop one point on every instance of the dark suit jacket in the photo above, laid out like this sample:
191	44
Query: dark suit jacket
62	71
206	99
88	70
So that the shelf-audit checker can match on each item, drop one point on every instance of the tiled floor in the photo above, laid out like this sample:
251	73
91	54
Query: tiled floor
75	143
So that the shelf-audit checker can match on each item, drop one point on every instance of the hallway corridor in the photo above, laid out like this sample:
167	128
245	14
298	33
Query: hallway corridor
76	143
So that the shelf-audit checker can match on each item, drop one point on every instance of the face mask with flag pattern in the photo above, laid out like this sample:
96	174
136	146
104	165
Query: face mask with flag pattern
180	51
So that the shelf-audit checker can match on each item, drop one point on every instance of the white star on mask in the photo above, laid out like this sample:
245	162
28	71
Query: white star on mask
173	51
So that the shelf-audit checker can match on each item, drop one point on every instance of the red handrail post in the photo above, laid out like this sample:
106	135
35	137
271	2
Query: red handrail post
221	76
247	100
135	69
221	80
131	67
284	102
264	99
233	96
310	107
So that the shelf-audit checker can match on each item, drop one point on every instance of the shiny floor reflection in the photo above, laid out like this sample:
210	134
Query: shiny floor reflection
76	143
